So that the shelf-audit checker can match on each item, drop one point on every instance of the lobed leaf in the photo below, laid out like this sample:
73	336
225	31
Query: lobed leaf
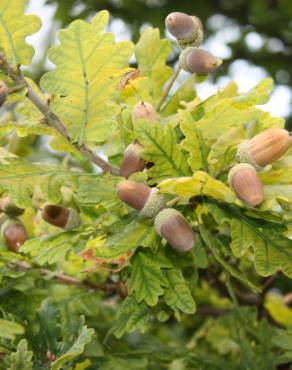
15	26
151	53
161	149
22	358
147	279
9	329
199	185
89	66
84	337
177	294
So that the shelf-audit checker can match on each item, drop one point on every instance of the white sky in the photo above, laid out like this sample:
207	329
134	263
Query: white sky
244	74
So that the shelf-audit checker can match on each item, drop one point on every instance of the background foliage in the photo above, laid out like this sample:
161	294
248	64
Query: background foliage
112	294
234	21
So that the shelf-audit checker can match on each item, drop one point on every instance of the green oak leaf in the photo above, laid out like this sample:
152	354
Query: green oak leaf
9	329
131	316
151	53
147	279
177	294
84	337
161	148
22	358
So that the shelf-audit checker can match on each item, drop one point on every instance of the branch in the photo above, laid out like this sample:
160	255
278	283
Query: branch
168	87
52	119
109	288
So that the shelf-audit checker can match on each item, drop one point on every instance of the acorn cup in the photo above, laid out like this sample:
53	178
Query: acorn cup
146	200
199	61
65	218
244	180
144	110
7	206
171	225
188	30
132	161
3	92
264	148
14	234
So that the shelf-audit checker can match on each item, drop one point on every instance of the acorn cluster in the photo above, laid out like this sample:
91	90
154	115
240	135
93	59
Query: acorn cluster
169	223
14	232
188	30
253	155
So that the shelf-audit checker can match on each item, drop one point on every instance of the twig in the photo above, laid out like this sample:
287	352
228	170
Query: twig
15	89
224	170
168	87
173	202
109	288
52	119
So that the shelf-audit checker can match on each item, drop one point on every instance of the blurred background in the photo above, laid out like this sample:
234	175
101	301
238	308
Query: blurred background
253	37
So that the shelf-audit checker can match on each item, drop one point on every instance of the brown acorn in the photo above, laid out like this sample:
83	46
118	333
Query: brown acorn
188	30
195	60
66	218
244	180
148	201
144	110
171	225
14	234
7	206
132	161
3	92
264	148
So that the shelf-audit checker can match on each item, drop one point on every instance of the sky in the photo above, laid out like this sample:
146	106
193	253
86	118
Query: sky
242	72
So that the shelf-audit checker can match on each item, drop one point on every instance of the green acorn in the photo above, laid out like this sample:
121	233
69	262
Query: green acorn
14	234
144	110
199	61
171	225
3	92
65	218
264	148
148	201
188	30
132	161
245	182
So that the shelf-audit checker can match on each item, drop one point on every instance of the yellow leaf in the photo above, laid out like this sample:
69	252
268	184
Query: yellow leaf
198	185
15	26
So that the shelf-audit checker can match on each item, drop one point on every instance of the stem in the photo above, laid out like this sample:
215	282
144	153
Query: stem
109	288
168	87
15	89
52	119
173	202
224	170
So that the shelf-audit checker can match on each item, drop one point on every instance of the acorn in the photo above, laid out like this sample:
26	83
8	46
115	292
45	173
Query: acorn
144	110
148	201
188	30
245	182
195	60
171	225
66	218
7	206
264	148
3	92
14	234
132	161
